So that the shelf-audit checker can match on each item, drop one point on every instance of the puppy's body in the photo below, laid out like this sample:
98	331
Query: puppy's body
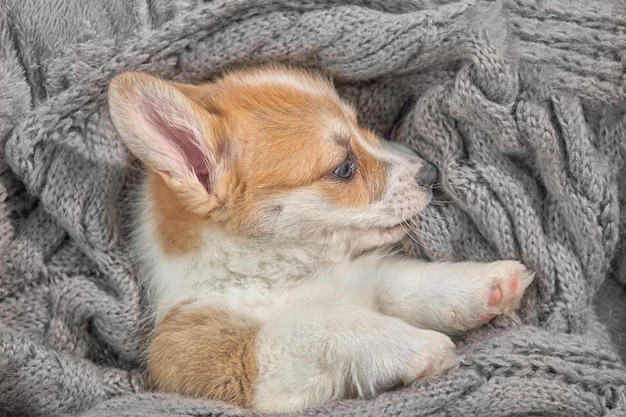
258	233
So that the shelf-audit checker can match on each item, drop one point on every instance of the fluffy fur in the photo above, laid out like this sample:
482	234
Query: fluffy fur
261	257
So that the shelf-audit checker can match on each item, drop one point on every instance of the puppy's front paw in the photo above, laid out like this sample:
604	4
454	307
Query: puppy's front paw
487	290
508	281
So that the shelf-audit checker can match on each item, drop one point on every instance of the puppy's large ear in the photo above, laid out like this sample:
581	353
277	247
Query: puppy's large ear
172	134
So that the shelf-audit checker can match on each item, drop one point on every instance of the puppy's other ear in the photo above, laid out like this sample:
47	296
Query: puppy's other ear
172	134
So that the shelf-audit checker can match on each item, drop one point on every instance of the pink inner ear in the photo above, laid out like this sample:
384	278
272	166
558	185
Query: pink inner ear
183	143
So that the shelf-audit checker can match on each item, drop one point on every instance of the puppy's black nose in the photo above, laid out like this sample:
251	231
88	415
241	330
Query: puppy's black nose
427	175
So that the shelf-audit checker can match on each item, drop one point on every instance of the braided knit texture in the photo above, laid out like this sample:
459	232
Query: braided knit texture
521	104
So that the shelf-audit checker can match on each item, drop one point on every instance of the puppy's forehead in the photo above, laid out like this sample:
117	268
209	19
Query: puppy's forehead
292	127
306	83
284	95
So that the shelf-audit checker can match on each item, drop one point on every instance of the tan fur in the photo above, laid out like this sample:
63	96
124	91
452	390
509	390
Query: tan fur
178	228
274	134
204	354
367	186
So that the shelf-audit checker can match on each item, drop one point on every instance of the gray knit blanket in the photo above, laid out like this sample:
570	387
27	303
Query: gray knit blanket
521	104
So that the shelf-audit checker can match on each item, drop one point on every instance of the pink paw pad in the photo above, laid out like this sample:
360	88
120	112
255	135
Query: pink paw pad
514	284
437	364
505	295
424	373
495	297
485	318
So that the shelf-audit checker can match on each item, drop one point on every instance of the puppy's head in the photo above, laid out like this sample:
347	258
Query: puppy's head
270	154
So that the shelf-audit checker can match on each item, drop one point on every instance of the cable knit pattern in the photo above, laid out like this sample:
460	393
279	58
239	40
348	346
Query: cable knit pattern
521	104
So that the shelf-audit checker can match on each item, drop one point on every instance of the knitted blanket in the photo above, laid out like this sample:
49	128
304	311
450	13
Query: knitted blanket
521	104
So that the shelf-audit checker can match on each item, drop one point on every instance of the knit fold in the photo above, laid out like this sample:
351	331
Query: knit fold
520	104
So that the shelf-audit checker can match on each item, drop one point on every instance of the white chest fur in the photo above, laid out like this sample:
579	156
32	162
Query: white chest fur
231	274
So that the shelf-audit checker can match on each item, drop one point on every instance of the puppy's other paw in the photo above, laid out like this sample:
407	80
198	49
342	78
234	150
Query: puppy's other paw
321	353
442	356
398	360
418	356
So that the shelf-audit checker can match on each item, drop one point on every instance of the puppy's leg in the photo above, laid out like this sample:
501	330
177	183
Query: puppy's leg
203	353
449	297
319	352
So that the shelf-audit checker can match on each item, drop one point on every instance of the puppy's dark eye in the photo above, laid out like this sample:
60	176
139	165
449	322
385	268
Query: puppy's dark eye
345	170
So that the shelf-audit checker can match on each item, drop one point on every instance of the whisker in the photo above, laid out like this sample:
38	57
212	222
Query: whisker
441	201
435	215
413	238
418	236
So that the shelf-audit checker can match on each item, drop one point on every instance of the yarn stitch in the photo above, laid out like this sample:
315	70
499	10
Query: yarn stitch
521	105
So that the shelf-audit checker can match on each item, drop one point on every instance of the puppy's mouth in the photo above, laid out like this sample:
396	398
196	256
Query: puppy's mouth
393	229
392	234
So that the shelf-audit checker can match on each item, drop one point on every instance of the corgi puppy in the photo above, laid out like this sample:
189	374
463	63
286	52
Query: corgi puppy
261	236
